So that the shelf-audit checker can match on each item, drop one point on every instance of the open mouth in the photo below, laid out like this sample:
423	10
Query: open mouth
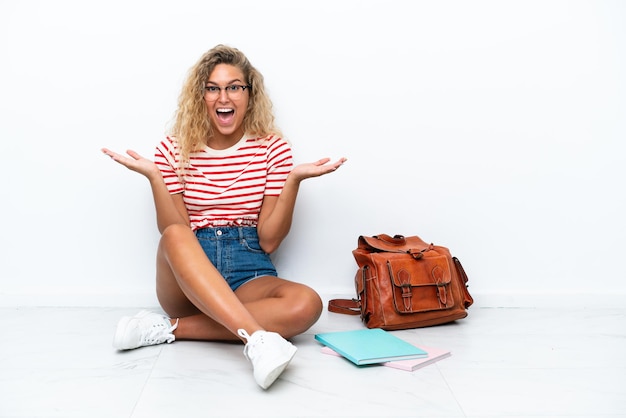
225	115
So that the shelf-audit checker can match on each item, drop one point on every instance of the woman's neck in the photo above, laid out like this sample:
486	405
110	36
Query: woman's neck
221	142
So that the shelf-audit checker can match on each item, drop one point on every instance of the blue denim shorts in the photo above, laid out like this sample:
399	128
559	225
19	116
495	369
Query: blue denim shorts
236	253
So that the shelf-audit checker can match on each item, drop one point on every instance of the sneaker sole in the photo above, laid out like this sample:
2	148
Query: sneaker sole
118	339
120	332
278	370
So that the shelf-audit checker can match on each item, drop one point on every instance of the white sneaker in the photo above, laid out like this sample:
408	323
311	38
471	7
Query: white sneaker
269	354
145	328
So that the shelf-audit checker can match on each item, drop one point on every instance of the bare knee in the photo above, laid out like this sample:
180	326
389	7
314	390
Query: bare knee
176	241
170	254
175	233
305	308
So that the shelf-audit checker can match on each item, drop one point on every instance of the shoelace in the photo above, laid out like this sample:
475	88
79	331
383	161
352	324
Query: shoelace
246	349
159	333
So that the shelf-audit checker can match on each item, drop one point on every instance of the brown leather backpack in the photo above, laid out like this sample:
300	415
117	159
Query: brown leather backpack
403	282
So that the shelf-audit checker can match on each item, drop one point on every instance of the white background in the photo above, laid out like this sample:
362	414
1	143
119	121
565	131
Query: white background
495	128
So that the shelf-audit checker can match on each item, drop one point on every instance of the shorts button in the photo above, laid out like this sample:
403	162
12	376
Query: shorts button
219	232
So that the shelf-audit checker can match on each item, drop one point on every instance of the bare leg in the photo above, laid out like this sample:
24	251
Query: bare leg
278	305
188	284
190	288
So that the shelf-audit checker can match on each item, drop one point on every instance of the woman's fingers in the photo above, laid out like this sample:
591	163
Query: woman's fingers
133	154
318	168
134	162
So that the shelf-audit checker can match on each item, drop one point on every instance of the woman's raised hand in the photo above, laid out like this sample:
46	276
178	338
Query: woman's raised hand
135	163
316	169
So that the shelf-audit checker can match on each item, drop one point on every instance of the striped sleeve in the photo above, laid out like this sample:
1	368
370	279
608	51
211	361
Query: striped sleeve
166	159
279	165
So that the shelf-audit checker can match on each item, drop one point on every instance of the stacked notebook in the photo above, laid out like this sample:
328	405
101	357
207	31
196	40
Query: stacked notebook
377	346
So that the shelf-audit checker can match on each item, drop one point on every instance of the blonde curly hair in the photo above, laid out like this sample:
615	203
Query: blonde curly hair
192	125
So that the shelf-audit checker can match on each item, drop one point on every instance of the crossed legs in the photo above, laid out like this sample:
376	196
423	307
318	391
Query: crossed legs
191	289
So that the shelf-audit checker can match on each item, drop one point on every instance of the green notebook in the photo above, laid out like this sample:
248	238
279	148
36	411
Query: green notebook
369	346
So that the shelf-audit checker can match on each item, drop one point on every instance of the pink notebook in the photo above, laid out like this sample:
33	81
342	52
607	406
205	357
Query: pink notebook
434	354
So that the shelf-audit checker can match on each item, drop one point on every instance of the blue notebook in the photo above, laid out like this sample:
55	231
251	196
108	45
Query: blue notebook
370	346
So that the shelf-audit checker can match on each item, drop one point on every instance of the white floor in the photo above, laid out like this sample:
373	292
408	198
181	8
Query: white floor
58	362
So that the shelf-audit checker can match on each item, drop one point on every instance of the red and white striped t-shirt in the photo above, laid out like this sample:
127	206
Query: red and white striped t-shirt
226	187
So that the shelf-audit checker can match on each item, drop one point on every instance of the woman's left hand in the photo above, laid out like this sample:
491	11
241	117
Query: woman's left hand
135	162
316	169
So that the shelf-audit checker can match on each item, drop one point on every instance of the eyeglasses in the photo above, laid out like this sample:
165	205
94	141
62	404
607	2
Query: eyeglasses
234	91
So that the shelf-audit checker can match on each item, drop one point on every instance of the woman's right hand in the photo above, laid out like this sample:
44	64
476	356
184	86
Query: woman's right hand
136	163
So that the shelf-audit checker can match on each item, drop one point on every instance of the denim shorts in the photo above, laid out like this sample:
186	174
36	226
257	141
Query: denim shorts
236	253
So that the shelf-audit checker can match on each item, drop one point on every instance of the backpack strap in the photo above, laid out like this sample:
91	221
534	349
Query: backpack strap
345	306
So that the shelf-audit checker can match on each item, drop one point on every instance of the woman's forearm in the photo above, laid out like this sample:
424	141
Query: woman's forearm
167	213
170	209
277	213
275	221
